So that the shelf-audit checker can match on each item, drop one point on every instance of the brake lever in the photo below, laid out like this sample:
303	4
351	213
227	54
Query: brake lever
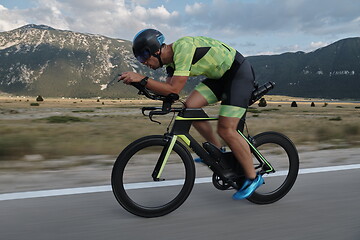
143	109
151	116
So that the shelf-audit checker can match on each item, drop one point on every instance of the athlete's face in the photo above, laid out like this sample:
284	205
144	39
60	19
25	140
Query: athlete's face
152	62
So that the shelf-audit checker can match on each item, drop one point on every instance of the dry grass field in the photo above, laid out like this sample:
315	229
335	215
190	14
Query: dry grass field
56	128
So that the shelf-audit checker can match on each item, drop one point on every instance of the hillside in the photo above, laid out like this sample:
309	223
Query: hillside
40	60
329	72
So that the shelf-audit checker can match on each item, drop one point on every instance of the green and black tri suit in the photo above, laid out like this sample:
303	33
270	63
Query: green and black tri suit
230	78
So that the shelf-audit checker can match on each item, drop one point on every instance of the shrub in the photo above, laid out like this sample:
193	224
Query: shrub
293	104
85	110
15	146
335	119
34	104
262	102
39	98
65	119
353	130
253	110
326	134
270	110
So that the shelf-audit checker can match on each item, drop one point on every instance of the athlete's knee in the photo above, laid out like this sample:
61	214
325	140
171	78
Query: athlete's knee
191	104
227	128
195	100
225	132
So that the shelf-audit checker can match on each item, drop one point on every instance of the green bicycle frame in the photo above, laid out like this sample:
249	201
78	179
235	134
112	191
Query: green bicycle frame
181	128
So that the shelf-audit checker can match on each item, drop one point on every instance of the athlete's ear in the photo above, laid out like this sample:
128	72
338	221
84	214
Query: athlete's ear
157	52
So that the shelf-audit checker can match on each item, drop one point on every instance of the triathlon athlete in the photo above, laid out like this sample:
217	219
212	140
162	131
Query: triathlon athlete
230	79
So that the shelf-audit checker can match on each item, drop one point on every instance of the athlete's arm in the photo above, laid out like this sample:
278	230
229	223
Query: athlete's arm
173	84
168	80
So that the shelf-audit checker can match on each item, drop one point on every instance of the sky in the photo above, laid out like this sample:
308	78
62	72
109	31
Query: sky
253	27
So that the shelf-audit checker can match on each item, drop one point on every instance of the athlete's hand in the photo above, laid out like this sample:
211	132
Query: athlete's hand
129	77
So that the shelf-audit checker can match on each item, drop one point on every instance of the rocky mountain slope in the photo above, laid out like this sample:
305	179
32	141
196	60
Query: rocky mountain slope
329	72
40	60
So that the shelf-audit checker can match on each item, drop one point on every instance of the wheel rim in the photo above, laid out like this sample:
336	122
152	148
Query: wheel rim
135	188
279	159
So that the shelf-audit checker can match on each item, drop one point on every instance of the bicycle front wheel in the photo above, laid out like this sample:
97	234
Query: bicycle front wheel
281	153
133	184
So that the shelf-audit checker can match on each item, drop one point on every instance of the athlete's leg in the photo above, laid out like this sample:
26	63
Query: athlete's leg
235	100
197	100
227	130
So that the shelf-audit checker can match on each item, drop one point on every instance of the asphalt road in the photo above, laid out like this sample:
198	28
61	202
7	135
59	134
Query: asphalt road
320	206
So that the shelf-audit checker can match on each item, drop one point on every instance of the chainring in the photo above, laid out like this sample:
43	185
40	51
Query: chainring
219	183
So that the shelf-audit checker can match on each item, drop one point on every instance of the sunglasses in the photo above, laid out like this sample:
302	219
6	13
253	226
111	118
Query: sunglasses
143	56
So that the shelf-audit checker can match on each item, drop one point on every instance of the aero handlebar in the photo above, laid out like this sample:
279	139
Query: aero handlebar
172	97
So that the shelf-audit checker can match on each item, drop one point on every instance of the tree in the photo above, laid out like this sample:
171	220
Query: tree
39	98
262	102
293	104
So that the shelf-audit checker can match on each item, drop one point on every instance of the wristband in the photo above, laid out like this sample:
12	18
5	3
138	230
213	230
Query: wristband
144	81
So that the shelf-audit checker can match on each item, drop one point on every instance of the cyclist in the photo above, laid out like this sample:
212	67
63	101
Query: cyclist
230	79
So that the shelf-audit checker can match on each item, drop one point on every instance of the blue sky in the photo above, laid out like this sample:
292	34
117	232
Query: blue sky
252	26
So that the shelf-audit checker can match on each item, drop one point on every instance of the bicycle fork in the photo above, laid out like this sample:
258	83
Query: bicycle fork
163	158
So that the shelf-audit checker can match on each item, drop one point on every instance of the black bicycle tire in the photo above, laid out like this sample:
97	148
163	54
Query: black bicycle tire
118	170
290	149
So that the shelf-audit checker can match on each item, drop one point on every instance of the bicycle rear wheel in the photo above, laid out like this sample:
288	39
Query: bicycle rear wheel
134	187
281	153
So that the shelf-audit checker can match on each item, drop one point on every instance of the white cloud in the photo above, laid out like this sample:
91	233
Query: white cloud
10	19
114	18
271	24
155	14
315	45
196	8
254	17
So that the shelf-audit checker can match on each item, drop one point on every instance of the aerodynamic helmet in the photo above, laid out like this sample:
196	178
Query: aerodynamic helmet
146	43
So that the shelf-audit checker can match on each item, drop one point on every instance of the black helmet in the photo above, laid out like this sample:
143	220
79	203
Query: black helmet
146	43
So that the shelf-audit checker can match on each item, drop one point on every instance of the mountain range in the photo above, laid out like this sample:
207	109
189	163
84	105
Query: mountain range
40	60
329	72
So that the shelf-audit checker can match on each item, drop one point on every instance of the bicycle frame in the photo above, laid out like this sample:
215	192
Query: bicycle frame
181	128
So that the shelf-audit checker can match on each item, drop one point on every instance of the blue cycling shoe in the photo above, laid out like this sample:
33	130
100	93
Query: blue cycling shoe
198	160
248	188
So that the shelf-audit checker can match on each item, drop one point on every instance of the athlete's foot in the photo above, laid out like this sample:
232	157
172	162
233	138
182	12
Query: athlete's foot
248	188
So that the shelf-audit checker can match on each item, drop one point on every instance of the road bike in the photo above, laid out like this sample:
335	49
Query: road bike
155	174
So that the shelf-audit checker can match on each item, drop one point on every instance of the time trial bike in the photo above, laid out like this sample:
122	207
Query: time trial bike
155	174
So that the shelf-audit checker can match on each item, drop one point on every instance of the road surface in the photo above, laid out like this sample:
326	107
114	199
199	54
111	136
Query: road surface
322	205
